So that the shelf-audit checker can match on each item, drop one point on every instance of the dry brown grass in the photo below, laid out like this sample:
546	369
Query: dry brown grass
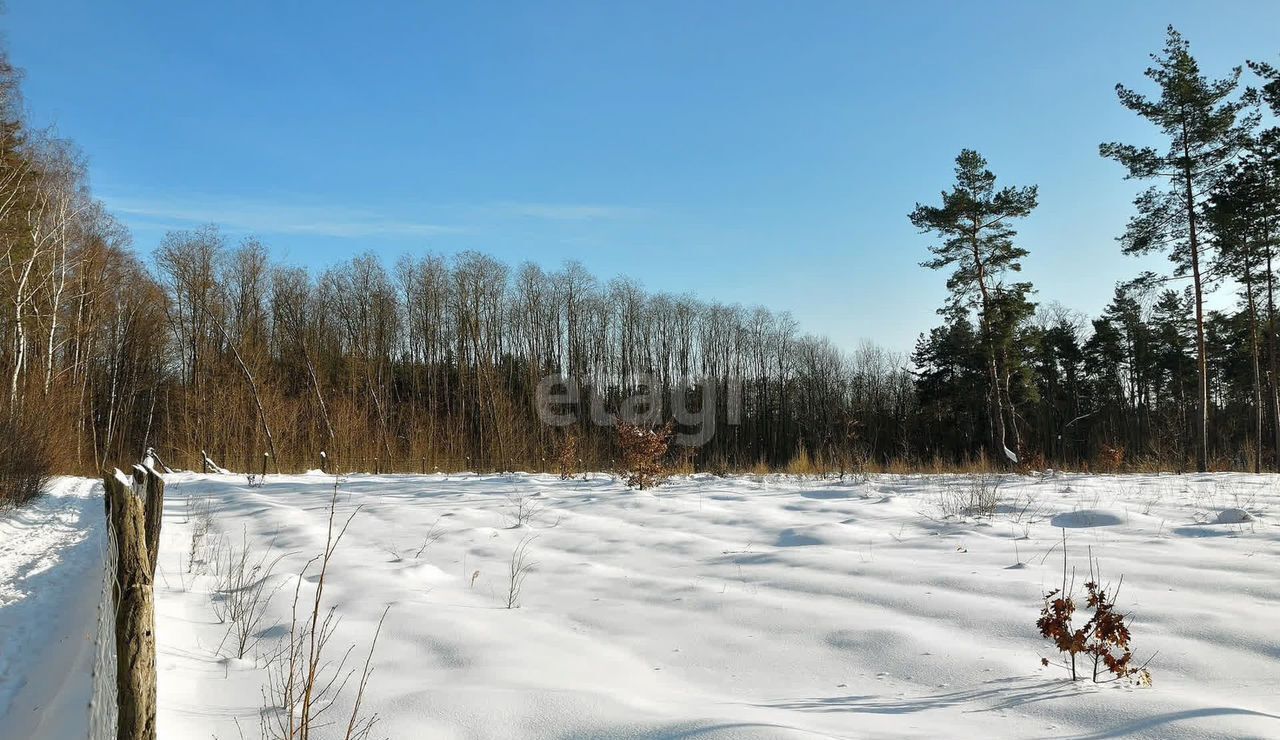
802	464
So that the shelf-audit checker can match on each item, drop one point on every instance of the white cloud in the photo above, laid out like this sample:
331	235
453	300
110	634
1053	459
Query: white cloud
271	218
296	215
569	211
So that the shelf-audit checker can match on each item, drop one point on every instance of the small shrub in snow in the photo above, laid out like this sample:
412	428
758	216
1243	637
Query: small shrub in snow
518	570
970	496
1104	638
984	495
856	466
567	459
433	534
1027	512
521	510
243	595
1111	458
304	681
200	516
644	453
25	464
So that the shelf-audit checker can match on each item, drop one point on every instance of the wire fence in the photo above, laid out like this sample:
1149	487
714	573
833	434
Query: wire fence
102	703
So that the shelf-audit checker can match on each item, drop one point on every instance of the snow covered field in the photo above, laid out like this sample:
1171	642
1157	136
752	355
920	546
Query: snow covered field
745	607
729	608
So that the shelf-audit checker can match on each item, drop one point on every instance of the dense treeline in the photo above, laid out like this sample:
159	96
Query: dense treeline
441	359
1158	376
440	362
79	311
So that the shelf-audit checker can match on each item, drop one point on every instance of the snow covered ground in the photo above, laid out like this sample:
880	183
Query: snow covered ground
51	576
710	608
745	607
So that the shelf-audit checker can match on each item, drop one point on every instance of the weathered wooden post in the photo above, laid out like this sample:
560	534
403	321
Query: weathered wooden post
265	457
149	486
204	462
324	462
135	612
424	464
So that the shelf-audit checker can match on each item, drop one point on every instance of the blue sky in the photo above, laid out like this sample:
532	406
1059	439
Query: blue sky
744	151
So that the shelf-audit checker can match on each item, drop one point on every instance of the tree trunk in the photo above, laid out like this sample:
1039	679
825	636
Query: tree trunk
253	387
996	404
315	383
1271	351
1202	364
1257	370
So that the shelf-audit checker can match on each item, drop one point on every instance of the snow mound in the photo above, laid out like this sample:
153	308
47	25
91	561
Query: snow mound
1234	516
791	537
1086	518
826	494
425	573
829	533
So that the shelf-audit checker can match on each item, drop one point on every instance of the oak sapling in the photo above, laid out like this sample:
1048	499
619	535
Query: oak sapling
1105	637
644	453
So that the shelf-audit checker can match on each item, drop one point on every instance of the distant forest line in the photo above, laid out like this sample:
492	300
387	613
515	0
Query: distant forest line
435	362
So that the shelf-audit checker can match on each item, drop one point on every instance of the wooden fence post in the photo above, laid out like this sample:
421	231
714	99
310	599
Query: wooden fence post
135	612
324	462
150	487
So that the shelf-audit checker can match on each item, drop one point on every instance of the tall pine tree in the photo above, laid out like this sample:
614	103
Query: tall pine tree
1235	215
1203	122
977	241
1261	167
